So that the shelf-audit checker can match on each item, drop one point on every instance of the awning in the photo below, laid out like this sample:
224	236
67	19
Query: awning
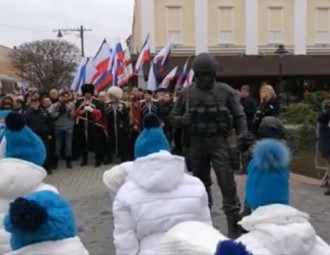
235	66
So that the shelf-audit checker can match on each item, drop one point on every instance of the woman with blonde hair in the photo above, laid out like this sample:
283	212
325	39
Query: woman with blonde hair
269	105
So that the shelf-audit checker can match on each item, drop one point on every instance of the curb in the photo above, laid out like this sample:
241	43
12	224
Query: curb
304	179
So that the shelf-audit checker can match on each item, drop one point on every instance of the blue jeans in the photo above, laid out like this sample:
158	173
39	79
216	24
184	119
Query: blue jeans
64	135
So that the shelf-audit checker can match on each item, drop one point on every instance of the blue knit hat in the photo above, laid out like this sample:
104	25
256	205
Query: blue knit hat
229	247
3	115
38	217
152	139
21	142
267	181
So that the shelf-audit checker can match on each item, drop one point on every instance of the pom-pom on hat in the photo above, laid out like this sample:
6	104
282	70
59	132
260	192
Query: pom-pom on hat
21	142
38	217
229	247
116	92
152	139
267	181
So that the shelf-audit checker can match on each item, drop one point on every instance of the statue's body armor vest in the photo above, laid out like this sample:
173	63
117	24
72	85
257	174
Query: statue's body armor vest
208	112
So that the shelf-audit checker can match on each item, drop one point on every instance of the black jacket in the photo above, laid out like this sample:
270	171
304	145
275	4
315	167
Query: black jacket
40	122
250	108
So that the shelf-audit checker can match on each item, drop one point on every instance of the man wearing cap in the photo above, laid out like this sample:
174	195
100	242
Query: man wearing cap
88	113
209	110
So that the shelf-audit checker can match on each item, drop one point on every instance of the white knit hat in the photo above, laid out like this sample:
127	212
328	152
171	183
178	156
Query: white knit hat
191	237
116	92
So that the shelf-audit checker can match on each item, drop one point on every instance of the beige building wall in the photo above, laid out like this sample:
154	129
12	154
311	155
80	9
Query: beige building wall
174	21
5	65
136	34
226	22
303	26
318	22
276	22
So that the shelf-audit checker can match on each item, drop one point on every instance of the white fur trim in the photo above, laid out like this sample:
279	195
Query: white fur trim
116	92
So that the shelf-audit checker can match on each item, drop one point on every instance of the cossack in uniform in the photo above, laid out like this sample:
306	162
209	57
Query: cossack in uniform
88	113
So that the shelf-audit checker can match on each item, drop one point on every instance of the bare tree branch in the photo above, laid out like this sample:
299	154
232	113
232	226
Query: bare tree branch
46	64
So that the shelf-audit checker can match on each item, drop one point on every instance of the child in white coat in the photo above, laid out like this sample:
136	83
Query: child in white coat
42	223
22	155
157	194
274	227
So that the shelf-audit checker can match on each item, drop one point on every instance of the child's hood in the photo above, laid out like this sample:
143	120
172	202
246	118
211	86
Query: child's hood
19	177
159	171
281	229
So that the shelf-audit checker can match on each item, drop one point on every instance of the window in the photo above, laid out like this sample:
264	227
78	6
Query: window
225	25
275	25
174	21
322	31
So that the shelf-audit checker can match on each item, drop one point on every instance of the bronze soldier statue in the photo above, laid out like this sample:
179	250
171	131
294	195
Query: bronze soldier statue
209	110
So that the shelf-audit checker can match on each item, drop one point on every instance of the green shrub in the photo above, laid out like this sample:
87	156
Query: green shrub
303	115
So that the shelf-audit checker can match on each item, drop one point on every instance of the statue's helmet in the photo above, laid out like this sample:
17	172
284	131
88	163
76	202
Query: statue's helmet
205	63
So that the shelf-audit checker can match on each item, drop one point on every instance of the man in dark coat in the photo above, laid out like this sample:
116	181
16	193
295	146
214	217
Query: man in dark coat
88	113
249	105
210	110
148	104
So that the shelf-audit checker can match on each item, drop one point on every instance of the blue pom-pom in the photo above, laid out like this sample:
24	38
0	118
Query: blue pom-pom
27	215
229	247
271	155
14	121
151	121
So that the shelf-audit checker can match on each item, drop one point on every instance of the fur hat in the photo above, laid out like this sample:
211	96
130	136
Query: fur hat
87	88
116	92
267	181
152	139
21	142
205	241
38	217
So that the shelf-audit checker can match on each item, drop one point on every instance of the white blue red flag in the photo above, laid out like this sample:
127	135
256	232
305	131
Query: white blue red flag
144	56
169	77
80	76
161	58
183	74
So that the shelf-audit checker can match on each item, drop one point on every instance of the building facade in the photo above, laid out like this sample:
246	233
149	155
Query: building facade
7	73
233	27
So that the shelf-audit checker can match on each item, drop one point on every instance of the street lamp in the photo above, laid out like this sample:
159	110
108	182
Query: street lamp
59	34
281	51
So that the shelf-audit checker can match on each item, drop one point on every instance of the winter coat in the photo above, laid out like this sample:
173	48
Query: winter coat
116	177
323	134
70	246
281	229
157	195
17	178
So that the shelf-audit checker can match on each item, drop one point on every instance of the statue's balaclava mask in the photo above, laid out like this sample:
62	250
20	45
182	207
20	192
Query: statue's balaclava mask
205	80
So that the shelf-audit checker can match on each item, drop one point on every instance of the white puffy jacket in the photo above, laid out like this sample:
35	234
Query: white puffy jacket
273	230
116	177
17	178
69	246
281	229
157	195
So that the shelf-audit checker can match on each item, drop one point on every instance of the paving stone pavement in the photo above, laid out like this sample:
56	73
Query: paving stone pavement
84	188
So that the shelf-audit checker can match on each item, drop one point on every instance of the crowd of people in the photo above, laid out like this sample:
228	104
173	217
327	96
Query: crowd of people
105	123
161	202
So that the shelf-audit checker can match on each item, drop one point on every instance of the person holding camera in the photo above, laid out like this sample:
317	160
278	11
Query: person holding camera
63	116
